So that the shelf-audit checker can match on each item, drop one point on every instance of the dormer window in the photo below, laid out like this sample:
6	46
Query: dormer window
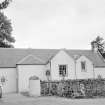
83	66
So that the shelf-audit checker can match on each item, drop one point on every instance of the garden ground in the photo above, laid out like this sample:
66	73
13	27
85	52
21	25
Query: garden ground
18	99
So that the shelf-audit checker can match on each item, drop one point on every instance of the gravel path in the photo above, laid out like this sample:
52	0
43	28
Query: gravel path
17	99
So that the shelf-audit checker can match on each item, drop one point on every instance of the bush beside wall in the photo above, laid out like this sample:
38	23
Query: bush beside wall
74	88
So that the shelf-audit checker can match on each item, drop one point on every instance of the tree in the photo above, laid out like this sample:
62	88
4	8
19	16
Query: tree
5	27
5	32
99	43
4	4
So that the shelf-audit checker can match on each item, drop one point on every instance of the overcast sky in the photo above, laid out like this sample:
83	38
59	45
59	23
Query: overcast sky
71	24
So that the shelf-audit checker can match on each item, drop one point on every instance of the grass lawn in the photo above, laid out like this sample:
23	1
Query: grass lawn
17	99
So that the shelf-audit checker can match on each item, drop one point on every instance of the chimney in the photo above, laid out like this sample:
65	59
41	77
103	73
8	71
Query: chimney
94	46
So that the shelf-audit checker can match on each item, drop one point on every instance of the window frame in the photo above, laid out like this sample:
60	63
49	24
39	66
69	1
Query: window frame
83	66
66	74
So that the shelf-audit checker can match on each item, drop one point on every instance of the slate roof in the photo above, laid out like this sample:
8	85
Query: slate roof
93	56
30	59
9	57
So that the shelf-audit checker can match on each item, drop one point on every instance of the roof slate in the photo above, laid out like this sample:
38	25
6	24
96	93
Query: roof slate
9	57
31	60
93	56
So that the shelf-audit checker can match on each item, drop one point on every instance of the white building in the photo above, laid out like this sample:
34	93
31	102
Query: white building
18	65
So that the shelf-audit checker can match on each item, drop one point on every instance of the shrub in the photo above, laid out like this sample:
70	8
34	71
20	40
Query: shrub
74	88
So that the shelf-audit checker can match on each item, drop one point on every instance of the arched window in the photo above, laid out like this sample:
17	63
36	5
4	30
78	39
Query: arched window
99	76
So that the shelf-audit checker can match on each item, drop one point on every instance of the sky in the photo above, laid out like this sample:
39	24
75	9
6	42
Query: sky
56	24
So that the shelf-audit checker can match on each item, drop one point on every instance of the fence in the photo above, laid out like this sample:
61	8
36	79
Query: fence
74	88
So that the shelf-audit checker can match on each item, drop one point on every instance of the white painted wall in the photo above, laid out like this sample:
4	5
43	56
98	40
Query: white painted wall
99	71
25	72
10	75
47	67
89	67
62	58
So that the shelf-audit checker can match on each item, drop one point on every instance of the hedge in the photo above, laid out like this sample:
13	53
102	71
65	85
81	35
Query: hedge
74	88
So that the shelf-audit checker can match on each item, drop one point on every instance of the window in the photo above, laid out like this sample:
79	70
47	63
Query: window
99	76
63	70
83	66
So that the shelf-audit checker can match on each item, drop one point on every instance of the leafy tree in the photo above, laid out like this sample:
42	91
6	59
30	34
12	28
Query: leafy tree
4	4
99	43
5	27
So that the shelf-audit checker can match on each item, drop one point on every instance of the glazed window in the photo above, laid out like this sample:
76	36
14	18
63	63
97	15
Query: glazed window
63	70
83	66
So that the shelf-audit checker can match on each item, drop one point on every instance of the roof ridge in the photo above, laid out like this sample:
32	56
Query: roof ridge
29	48
78	49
